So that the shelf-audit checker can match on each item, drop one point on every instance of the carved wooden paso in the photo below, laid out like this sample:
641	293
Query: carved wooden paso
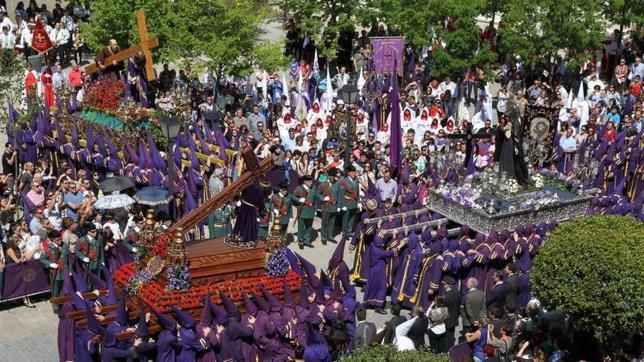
145	45
253	174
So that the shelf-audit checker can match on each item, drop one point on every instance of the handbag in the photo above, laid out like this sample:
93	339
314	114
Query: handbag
438	329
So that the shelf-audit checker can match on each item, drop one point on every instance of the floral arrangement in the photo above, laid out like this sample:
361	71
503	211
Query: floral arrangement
511	186
539	180
137	281
276	263
536	200
559	181
161	245
156	296
178	278
465	195
104	96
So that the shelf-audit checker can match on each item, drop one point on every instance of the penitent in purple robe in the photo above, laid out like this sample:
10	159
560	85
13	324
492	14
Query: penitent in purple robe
231	341
524	292
167	346
252	203
375	290
66	331
411	260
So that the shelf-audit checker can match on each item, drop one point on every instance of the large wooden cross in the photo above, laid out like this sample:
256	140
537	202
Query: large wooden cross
254	172
144	46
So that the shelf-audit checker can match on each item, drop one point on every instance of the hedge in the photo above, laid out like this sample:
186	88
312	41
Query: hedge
387	353
592	269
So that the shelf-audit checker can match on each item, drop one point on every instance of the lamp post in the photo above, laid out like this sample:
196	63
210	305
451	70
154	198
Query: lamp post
170	128
349	94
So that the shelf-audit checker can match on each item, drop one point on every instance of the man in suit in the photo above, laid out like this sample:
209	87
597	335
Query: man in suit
511	284
394	322
496	297
364	330
473	306
452	298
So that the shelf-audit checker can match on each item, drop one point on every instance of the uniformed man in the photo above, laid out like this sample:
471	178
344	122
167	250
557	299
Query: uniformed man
55	258
281	204
350	188
215	185
91	251
221	225
329	194
306	195
264	221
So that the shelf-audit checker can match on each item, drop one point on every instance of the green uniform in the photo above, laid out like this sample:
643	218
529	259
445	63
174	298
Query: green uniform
92	249
306	213
283	203
331	193
58	255
219	222
264	222
350	189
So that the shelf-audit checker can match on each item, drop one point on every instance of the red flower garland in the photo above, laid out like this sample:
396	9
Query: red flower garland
155	296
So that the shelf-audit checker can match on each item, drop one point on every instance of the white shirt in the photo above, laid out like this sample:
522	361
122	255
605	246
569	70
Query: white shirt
7	22
401	341
68	22
451	86
7	41
25	37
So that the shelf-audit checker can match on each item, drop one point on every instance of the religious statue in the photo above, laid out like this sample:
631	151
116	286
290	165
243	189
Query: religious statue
509	150
251	208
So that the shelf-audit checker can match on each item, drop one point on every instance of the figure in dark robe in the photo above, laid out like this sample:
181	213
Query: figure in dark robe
250	208
509	150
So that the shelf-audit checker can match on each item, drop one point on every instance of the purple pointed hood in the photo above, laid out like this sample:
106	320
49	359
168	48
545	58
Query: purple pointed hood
303	296
310	272
250	307
231	309
288	296
121	314
142	327
164	321
185	319
219	314
274	302
338	255
92	323
206	312
262	303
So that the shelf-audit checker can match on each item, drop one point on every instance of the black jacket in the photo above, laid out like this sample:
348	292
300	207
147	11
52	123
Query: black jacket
511	285
452	301
496	297
417	331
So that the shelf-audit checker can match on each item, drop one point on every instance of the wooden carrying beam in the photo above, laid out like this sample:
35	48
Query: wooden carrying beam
214	160
249	177
399	215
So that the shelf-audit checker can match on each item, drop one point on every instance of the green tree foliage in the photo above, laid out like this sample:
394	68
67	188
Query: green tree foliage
219	35
387	353
323	20
591	269
11	82
541	29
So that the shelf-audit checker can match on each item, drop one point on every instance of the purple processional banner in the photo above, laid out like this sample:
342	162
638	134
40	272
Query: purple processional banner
24	279
388	54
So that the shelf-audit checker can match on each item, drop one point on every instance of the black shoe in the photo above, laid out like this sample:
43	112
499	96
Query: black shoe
333	241
301	247
380	311
309	245
323	242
